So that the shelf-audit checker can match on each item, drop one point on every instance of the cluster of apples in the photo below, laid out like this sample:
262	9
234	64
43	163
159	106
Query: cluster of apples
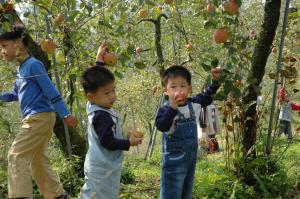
230	7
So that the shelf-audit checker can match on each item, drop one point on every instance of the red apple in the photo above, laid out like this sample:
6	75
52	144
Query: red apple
181	96
189	46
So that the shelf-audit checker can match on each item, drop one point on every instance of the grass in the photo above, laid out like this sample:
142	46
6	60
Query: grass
143	176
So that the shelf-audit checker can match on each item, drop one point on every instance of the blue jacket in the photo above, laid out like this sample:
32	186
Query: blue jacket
35	91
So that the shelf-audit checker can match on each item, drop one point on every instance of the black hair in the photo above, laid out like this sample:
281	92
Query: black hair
176	71
96	77
18	31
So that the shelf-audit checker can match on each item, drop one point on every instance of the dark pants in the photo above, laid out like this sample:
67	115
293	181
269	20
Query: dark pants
286	128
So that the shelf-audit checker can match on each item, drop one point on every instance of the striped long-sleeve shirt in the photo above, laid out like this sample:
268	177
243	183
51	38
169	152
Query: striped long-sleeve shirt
35	91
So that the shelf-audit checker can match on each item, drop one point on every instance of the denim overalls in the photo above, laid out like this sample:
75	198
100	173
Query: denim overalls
102	167
179	158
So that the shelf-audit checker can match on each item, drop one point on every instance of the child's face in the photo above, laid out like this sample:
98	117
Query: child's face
9	49
177	84
105	96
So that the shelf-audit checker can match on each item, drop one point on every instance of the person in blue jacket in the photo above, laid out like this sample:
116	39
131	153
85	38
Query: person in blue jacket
39	99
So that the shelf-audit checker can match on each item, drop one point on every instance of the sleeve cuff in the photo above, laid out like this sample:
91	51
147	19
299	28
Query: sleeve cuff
100	63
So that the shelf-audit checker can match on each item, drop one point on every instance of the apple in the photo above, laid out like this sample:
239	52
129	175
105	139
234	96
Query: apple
274	50
48	46
138	50
221	36
189	46
231	7
143	13
137	134
181	96
59	19
110	59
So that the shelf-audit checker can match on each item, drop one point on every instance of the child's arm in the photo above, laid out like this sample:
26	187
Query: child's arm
165	117
103	125
50	91
10	96
102	50
295	107
205	98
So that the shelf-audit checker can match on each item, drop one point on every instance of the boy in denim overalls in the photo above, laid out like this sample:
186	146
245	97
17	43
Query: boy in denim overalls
178	120
102	166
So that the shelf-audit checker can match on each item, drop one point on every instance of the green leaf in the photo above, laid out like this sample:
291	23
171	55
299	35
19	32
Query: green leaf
118	74
220	95
130	49
103	23
215	62
209	24
150	3
9	17
139	65
26	14
206	67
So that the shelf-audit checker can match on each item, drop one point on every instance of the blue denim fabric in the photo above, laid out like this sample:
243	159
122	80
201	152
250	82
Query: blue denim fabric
179	158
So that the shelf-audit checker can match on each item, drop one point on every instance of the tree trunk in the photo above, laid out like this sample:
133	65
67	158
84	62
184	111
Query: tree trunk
258	63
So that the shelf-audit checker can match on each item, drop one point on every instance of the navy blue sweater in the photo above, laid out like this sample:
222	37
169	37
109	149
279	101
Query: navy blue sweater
103	125
166	114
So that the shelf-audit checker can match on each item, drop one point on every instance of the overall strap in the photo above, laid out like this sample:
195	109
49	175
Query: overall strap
192	112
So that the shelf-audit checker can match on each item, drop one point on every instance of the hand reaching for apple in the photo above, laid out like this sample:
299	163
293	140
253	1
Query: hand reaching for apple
177	99
102	50
216	73
133	140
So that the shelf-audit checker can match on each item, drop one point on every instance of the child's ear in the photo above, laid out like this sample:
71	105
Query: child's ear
190	89
90	97
165	90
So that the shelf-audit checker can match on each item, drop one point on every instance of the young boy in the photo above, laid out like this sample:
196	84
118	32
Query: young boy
285	114
38	99
103	161
178	120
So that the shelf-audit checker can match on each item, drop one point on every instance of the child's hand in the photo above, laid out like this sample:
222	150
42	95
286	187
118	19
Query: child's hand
216	73
102	50
71	121
134	140
175	101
